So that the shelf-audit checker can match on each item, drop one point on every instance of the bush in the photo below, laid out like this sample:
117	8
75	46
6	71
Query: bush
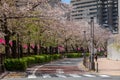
100	53
22	63
56	56
48	58
40	59
15	64
87	54
73	55
29	60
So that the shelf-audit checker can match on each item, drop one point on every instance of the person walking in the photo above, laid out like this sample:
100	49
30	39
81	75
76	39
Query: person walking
96	57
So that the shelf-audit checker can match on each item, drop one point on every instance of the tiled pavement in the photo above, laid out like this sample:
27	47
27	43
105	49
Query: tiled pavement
109	67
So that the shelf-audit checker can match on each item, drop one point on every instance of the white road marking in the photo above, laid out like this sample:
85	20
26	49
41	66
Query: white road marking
32	76
59	71
37	69
62	76
88	75
46	76
74	75
104	76
66	62
33	73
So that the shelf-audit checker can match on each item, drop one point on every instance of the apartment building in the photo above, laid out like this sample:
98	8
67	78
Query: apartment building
106	12
83	9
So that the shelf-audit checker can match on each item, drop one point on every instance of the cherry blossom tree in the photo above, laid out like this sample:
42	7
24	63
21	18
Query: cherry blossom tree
42	24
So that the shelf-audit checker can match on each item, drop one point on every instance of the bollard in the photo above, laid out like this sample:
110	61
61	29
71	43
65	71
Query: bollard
97	67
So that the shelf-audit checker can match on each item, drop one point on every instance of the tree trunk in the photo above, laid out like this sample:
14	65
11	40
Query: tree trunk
35	49
66	47
73	49
7	51
21	50
28	49
7	36
14	49
40	47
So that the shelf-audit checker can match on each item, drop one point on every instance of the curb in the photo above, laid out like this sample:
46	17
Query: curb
3	75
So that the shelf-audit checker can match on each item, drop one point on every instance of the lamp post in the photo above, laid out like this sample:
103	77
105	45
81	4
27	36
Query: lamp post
92	64
84	60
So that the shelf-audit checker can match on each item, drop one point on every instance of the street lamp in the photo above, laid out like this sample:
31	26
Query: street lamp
92	64
84	60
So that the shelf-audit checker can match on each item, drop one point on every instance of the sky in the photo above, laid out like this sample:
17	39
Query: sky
66	1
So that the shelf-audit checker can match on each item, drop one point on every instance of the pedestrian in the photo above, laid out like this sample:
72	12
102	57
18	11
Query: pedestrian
96	57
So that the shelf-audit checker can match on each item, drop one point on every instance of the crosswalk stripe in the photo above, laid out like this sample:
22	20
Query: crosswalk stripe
59	71
31	76
74	75
104	76
88	75
67	75
46	76
62	76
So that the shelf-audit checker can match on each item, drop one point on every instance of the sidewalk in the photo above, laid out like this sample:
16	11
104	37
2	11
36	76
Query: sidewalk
109	67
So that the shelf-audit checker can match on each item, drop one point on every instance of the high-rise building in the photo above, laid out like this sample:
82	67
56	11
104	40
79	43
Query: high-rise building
105	11
108	13
83	8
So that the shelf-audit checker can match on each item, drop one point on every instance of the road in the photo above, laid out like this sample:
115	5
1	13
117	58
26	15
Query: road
66	69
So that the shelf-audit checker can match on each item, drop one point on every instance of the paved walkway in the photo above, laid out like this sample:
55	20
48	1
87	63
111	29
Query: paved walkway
109	67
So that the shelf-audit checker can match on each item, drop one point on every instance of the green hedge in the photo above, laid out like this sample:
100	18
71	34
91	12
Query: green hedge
22	63
100	53
56	56
87	54
29	60
15	64
73	55
40	59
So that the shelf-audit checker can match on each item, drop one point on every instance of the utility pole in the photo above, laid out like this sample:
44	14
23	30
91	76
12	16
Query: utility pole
92	65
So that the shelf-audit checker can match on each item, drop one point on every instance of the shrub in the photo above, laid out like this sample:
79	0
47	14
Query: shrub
54	56
73	55
48	58
22	63
29	60
87	54
15	64
40	59
100	53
